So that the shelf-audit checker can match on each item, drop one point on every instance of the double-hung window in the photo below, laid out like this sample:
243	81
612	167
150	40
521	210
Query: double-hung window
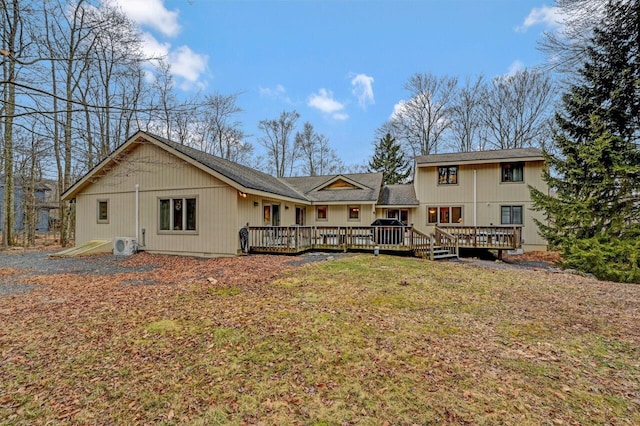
511	215
178	214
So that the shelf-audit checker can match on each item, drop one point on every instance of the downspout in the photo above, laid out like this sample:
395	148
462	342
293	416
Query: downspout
475	197
137	210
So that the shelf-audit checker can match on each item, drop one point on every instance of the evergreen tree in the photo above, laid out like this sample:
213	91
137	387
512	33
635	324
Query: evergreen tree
389	159
594	205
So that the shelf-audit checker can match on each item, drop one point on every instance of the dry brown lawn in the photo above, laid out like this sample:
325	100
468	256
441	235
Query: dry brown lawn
355	340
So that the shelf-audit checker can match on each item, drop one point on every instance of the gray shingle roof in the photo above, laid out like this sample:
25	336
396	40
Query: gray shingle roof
311	187
398	195
479	156
245	176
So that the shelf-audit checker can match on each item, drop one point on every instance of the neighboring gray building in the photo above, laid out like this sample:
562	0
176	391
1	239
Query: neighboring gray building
43	207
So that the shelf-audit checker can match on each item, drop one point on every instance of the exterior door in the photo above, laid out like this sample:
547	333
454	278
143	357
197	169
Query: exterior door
400	214
301	213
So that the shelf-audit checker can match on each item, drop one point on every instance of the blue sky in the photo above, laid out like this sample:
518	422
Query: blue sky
341	64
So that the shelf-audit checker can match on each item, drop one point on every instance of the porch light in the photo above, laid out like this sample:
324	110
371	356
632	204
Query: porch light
242	194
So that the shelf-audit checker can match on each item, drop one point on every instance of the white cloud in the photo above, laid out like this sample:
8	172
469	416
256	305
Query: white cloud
363	89
548	16
188	65
152	48
151	13
278	92
275	92
324	102
515	67
398	110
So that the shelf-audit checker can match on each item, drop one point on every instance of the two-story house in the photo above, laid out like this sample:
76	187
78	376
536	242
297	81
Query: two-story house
175	199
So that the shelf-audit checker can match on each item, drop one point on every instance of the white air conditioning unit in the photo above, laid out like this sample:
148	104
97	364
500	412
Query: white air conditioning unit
124	246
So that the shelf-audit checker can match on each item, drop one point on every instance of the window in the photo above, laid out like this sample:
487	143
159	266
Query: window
354	212
432	215
103	211
321	212
402	215
448	175
511	215
271	215
178	214
444	214
512	172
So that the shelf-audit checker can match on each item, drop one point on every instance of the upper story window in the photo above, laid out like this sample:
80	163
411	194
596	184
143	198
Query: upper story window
448	175
512	172
354	212
178	214
103	211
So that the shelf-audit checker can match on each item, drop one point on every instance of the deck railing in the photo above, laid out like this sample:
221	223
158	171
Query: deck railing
489	237
446	241
296	239
280	239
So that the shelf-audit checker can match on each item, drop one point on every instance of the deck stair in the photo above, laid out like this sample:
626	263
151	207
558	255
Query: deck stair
442	253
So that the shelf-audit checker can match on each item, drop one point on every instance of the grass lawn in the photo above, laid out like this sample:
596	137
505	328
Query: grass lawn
357	340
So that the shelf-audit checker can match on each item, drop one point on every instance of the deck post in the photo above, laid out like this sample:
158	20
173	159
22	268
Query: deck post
432	247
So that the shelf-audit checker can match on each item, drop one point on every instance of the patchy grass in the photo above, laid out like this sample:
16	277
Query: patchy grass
367	340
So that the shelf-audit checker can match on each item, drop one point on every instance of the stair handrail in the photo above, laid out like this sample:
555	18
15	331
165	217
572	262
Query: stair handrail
441	235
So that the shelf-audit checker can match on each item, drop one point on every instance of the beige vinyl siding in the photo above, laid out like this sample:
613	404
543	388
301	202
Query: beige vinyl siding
160	175
491	194
338	215
251	208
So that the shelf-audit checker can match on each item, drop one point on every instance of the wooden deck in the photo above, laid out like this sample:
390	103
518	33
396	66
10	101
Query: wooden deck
444	242
505	237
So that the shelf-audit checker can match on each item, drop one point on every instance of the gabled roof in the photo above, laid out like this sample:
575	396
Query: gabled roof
363	187
239	176
247	177
360	187
475	157
398	195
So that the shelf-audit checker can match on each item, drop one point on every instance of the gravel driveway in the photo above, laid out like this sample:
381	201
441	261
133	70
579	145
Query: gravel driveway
32	263
40	263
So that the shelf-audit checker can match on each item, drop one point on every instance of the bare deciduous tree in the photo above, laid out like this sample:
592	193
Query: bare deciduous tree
421	121
566	47
277	139
516	109
317	157
13	44
467	127
222	132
